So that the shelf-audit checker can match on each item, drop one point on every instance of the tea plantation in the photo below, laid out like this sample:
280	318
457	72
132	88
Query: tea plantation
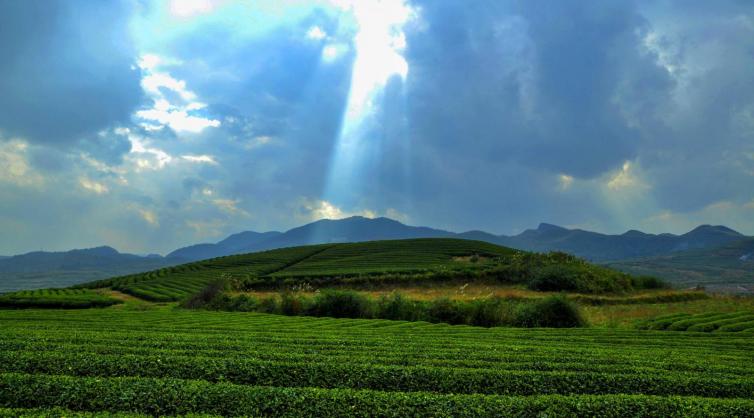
371	263
168	361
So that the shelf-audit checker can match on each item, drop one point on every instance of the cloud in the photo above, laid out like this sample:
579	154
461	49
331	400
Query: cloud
321	209
93	186
178	112
67	69
624	179
205	159
218	117
15	165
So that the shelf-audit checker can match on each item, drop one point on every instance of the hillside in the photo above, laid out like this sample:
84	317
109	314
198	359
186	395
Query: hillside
374	263
42	269
728	268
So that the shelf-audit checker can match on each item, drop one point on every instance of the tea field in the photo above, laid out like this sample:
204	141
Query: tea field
169	361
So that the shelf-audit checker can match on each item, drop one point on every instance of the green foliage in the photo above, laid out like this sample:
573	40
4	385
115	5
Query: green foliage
56	298
173	362
207	295
340	304
705	322
551	312
376	263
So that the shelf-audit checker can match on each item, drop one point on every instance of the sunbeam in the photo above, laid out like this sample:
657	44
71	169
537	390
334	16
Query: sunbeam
379	45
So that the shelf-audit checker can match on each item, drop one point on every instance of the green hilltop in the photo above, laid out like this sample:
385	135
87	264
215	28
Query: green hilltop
374	263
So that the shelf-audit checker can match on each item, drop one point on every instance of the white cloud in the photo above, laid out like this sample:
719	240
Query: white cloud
316	33
625	179
230	206
565	181
93	186
177	116
146	157
206	159
148	216
191	8
312	210
14	167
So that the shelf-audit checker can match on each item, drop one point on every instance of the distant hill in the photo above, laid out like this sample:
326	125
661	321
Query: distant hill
354	229
729	267
590	245
632	244
42	269
234	244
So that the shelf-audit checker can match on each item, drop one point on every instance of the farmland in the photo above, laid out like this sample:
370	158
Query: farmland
56	298
138	351
168	361
376	263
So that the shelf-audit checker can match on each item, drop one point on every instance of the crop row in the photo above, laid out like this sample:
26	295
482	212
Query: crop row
177	282
176	396
529	362
378	377
705	322
56	298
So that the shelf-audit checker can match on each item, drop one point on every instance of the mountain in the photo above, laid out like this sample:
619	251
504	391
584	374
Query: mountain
352	229
55	269
234	244
602	247
58	269
547	237
729	267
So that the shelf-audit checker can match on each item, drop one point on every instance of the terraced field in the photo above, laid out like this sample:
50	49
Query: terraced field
169	361
367	263
176	283
56	298
705	322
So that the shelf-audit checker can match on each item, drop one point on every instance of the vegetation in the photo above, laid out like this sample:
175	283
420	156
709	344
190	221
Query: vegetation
56	298
706	322
167	361
555	311
726	267
378	264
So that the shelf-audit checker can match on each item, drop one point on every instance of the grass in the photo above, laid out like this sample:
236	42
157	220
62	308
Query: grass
170	361
627	316
373	265
57	298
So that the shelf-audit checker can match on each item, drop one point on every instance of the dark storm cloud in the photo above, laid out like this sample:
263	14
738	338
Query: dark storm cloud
534	82
66	70
600	114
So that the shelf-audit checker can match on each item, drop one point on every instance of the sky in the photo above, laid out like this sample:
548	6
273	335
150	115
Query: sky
150	125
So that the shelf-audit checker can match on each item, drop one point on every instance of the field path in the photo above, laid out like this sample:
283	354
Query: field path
298	260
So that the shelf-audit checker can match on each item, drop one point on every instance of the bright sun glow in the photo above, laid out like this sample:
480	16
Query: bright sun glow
379	49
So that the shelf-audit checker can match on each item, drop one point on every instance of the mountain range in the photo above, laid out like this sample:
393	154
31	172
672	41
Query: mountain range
590	245
626	251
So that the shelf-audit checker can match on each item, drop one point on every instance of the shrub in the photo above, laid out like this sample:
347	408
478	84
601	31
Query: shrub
445	310
648	282
551	312
398	307
290	304
205	296
554	278
490	312
341	304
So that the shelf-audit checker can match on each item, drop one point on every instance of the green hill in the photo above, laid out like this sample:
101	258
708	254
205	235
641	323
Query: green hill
374	263
728	267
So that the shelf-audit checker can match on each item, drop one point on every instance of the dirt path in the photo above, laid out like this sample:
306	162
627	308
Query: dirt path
121	296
